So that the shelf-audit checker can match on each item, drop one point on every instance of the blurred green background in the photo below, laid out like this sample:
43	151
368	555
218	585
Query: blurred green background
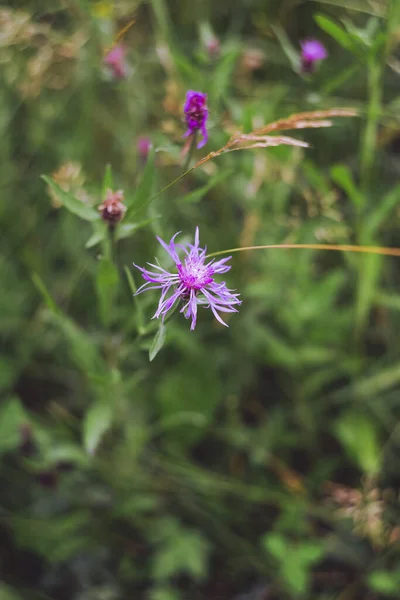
259	462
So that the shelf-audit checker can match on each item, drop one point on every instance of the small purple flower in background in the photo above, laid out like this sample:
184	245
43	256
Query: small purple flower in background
213	47
115	60
193	284
143	147
196	115
312	51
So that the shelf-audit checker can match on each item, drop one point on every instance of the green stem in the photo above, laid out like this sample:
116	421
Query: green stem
190	151
164	189
368	147
162	19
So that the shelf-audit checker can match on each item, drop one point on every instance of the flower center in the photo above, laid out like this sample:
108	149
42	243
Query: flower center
194	274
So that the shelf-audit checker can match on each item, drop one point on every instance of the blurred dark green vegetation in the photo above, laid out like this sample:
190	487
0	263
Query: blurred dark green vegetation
262	459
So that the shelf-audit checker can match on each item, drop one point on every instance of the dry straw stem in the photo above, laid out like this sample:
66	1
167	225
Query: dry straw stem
259	138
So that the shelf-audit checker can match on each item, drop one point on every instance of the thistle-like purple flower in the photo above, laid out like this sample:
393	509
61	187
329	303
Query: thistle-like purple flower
312	51
196	115
192	285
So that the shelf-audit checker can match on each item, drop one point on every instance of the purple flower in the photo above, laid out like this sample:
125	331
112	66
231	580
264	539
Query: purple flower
143	148
196	115
192	285
311	52
115	60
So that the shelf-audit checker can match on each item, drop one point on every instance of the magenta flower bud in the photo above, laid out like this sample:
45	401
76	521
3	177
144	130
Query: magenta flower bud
196	115
312	51
192	285
143	147
213	47
115	60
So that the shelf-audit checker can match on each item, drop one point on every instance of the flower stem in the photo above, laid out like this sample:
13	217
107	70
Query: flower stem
190	151
333	247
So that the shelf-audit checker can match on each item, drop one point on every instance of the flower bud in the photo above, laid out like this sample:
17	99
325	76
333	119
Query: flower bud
113	208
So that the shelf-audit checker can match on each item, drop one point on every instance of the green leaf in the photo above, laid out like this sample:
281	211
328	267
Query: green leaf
369	271
223	74
125	230
185	552
144	190
107	181
83	351
98	420
43	535
12	416
48	299
164	593
275	544
106	285
138	305
199	193
158	342
378	383
341	175
287	46
358	5
381	211
294	572
99	234
192	384
310	552
71	203
7	593
359	436
336	32
384	582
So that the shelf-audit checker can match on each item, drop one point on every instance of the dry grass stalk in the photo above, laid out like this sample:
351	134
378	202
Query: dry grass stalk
259	138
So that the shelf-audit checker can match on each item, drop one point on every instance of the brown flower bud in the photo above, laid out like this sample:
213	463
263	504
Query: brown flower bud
113	208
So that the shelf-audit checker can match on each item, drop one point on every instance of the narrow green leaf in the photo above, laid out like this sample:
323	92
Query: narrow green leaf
223	74
125	230
275	544
199	193
358	5
341	175
98	420
12	416
99	234
138	306
71	203
144	190
83	351
158	342
336	32
107	181
359	436
369	271
106	285
287	46
381	212
40	286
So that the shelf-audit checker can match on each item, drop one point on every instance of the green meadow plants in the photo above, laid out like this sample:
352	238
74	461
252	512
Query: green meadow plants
200	259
